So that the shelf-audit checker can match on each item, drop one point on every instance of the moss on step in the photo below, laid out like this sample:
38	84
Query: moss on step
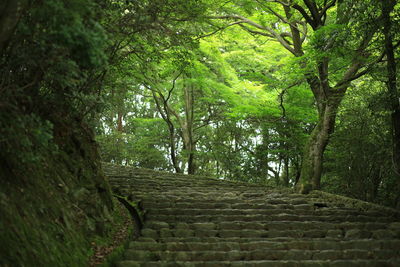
353	203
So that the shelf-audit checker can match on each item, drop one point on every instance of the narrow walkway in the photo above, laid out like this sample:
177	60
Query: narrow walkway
198	221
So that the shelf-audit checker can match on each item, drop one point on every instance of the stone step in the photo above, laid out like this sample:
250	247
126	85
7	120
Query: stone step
223	233
260	206
259	254
304	209
224	205
272	225
323	243
194	211
212	184
218	198
275	210
288	244
264	263
283	216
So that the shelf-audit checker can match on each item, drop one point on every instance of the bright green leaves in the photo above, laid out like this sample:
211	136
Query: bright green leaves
256	74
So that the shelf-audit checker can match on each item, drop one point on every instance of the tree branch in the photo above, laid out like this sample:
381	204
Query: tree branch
313	9
219	29
173	84
325	9
306	16
270	31
255	32
352	72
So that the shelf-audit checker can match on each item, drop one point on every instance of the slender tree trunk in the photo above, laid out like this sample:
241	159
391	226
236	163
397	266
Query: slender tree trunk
187	130
285	172
120	127
173	149
164	112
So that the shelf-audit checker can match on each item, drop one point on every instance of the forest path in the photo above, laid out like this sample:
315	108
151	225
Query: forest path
199	221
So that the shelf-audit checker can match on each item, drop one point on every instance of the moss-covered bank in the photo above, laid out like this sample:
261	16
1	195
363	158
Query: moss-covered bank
52	207
54	198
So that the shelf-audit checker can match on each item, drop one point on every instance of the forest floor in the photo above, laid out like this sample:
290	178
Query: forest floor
101	251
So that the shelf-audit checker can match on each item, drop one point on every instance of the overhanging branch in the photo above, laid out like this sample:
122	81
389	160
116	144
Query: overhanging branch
268	31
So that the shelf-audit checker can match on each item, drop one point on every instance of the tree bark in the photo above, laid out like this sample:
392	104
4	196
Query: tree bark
311	169
187	129
120	126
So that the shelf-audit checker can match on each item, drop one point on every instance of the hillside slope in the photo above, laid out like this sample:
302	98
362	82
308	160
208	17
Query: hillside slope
51	209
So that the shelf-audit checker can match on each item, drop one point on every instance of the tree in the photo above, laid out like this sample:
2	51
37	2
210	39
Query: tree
327	69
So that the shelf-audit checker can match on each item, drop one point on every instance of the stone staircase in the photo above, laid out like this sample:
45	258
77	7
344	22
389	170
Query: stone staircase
199	221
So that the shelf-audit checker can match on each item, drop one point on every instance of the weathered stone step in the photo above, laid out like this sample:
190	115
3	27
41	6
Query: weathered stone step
224	233
194	211
222	204
218	198
314	244
304	209
264	263
300	213
283	216
201	188
165	180
273	225
264	205
259	254
146	180
322	243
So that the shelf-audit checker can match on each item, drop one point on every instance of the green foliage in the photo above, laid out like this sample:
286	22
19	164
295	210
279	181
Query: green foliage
358	162
139	146
25	138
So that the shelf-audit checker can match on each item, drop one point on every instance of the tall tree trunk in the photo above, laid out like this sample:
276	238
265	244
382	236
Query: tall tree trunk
172	148
120	127
285	172
311	170
163	109
387	6
187	129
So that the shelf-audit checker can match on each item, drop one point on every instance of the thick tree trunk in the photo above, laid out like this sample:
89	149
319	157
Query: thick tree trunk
310	177
191	164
